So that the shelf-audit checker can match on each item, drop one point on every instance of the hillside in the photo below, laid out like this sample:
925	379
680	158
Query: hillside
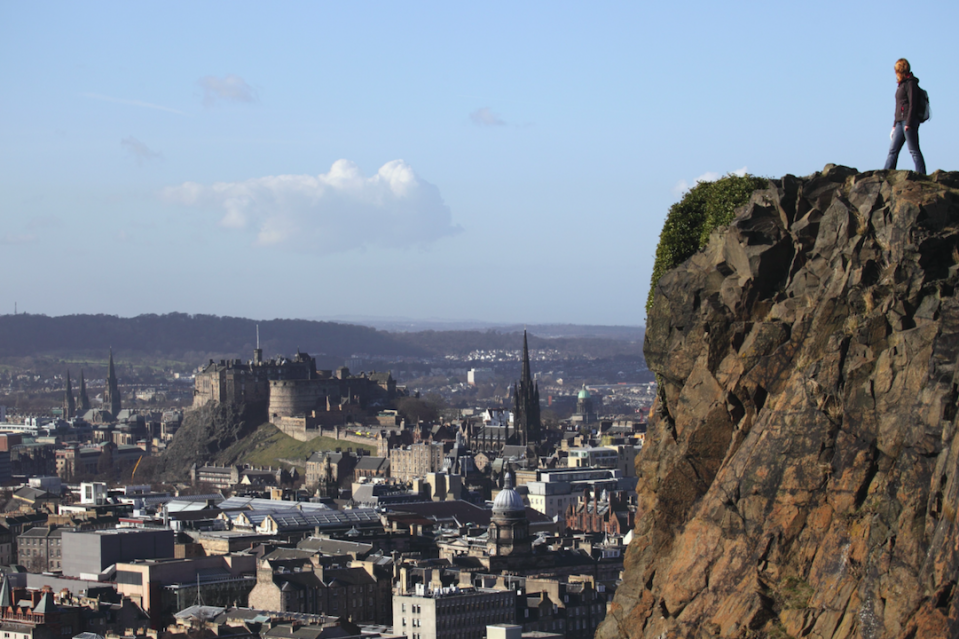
205	435
225	434
176	334
190	338
268	446
801	472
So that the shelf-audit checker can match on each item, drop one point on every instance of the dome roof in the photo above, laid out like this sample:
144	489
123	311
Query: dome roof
584	394
508	499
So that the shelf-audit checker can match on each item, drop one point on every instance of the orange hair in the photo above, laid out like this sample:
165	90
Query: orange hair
902	68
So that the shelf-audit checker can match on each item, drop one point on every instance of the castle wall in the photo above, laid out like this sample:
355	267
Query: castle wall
207	388
298	428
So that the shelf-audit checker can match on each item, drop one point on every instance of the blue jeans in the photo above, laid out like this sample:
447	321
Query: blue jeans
911	138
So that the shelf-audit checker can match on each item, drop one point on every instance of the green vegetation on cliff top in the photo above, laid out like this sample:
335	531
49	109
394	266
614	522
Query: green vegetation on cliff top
268	446
706	206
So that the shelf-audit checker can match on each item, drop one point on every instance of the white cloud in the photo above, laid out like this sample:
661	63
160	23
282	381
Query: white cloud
230	88
332	212
137	103
484	116
138	150
709	176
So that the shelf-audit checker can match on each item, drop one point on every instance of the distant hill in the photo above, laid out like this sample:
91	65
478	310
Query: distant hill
176	334
183	337
409	325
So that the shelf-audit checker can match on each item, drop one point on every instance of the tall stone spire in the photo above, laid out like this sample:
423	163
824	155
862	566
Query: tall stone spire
69	403
83	399
111	394
526	421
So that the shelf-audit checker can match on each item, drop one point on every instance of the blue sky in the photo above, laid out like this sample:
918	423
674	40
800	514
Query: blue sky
504	162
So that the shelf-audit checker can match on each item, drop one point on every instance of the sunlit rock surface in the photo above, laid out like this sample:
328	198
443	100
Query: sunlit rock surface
801	473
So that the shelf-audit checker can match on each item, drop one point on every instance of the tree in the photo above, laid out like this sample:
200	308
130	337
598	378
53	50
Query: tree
415	410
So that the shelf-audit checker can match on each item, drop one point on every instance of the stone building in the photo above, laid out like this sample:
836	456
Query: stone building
371	468
451	612
216	476
584	406
305	585
603	512
341	467
161	588
237	382
415	461
34	614
292	389
508	532
39	549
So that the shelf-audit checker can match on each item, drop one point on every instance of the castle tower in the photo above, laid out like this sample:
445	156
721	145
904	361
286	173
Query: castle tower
69	403
83	399
526	422
111	394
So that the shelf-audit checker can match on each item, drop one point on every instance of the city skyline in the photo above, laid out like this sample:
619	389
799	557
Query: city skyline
499	164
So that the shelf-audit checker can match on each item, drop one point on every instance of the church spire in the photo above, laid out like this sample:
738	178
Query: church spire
69	403
111	395
526	421
526	374
83	398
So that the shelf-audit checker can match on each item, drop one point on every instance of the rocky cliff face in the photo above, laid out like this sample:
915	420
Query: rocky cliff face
205	434
801	472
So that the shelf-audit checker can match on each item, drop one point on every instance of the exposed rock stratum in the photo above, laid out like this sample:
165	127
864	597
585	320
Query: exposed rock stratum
801	472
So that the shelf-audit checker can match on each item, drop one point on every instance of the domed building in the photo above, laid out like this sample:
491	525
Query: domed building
584	406
508	532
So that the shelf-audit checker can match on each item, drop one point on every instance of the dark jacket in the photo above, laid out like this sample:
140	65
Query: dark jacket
908	98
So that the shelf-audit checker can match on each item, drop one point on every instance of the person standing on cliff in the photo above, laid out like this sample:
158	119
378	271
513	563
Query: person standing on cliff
905	128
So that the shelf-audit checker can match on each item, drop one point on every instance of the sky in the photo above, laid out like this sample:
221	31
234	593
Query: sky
496	161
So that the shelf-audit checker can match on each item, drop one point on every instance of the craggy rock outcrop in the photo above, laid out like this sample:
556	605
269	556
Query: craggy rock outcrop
801	472
205	433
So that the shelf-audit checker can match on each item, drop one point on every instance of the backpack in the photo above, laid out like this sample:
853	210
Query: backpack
925	111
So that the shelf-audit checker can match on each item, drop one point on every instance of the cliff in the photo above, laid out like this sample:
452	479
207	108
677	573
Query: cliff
801	471
204	437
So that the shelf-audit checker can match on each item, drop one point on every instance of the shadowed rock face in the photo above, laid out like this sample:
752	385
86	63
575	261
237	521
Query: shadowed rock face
801	472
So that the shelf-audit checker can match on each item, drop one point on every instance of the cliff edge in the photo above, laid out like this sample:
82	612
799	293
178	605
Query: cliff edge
801	471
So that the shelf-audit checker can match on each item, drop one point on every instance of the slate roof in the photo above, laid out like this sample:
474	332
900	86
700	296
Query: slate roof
296	520
375	464
28	493
268	505
348	577
333	546
461	512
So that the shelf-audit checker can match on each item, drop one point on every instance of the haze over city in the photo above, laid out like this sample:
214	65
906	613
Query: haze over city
498	163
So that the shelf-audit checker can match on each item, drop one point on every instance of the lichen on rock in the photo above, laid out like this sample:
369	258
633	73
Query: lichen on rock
801	473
